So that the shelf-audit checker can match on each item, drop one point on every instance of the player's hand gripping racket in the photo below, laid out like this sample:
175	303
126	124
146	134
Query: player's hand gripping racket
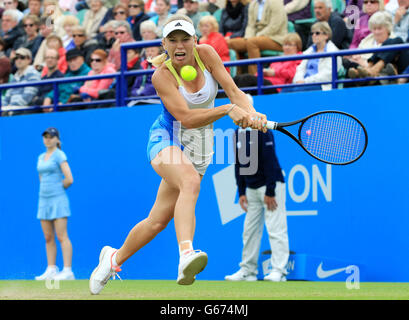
332	137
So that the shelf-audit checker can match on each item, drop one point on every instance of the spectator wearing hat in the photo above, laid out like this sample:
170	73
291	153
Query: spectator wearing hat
76	67
22	96
51	60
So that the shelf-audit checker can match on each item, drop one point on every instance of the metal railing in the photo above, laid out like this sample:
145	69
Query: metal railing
122	99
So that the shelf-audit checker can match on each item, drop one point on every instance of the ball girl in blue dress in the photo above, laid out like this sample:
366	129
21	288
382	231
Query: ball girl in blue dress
53	206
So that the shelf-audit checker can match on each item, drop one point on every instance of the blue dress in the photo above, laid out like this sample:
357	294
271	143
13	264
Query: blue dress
53	201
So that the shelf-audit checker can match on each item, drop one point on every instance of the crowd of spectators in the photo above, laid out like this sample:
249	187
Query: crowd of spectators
49	39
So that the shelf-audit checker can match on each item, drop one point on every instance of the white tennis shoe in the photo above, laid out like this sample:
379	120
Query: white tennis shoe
241	275
104	271
275	276
48	274
64	275
190	264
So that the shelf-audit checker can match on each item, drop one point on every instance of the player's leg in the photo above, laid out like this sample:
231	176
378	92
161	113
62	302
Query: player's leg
276	224
51	250
66	248
157	220
175	168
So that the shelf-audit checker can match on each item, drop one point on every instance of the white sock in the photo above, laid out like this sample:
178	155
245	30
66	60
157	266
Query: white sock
183	252
54	267
67	269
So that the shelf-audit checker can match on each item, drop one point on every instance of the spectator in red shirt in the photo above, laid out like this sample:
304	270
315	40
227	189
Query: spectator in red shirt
100	65
209	29
278	72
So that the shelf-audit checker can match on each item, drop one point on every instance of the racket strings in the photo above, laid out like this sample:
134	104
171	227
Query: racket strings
333	137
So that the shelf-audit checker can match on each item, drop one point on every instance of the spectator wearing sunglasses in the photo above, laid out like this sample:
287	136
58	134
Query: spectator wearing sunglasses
93	17
31	39
83	43
361	28
25	73
99	65
123	34
136	16
316	70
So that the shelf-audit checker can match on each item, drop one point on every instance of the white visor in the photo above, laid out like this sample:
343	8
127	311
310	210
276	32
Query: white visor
179	25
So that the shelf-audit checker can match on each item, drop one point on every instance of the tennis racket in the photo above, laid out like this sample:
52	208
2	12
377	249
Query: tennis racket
332	137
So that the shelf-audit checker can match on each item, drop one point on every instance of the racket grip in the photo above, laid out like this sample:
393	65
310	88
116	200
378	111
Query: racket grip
271	125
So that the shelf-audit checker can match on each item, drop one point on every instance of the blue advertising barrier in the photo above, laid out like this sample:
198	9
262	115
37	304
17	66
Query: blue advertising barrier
356	215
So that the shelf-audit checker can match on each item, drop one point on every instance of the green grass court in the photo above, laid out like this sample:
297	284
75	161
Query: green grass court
203	290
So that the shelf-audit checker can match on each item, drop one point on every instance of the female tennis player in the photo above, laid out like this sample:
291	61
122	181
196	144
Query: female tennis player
180	146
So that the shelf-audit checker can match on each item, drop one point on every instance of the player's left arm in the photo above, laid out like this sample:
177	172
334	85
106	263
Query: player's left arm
214	64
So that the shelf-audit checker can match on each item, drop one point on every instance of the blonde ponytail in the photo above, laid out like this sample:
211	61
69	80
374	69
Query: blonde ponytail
158	60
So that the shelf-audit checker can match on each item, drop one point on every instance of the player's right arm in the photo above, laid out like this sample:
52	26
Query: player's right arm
167	89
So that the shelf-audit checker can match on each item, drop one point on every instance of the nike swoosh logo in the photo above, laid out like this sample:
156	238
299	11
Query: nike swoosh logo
322	274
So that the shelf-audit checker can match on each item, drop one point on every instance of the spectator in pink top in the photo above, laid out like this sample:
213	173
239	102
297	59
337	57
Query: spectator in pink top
361	29
100	65
123	34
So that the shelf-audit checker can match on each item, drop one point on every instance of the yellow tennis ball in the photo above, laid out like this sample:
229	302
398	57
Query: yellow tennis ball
188	73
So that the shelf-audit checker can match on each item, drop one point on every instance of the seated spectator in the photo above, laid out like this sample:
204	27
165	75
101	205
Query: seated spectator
31	39
300	10
148	30
191	9
162	13
136	16
110	13
362	28
133	57
278	72
13	5
93	17
143	86
396	61
68	24
54	14
51	60
233	21
265	30
107	36
34	8
5	64
209	27
10	29
401	19
83	43
45	31
76	67
316	70
99	65
212	6
342	36
120	12
380	26
55	42
25	73
123	34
